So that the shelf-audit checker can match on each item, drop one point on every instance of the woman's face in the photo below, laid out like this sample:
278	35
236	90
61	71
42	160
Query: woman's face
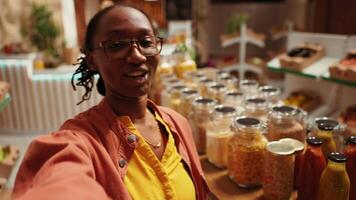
131	75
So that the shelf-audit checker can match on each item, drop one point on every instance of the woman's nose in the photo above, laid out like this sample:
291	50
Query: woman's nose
135	55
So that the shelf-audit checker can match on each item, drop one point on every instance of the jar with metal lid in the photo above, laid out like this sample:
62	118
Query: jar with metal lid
246	152
270	93
165	95
333	136
175	94
190	77
221	73
218	133
187	97
236	100
230	82
334	181
283	122
202	109
278	171
203	86
217	92
256	107
249	87
158	87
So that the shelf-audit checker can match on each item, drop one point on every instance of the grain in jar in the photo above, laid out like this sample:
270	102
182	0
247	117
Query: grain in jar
203	86
256	107
202	109
190	77
218	135
249	87
270	93
234	99
278	171
175	94
217	92
246	151
187	97
283	122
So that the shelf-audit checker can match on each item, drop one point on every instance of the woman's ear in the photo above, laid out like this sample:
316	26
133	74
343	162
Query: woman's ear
91	62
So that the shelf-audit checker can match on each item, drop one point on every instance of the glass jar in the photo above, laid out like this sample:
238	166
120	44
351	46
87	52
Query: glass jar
189	76
278	171
283	122
184	63
159	86
220	73
187	97
229	82
249	87
312	165
350	152
256	107
334	182
246	151
199	117
218	134
204	85
175	94
298	153
217	92
325	132
165	95
270	93
234	99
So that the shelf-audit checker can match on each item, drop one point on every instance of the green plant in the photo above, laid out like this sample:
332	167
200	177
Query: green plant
234	23
42	30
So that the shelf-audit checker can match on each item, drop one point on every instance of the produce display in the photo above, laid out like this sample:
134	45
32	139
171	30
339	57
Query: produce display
345	69
302	56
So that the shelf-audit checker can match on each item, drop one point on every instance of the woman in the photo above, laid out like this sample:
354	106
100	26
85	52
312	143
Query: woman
125	147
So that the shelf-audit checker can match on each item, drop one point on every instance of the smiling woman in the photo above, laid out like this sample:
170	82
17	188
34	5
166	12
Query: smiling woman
146	150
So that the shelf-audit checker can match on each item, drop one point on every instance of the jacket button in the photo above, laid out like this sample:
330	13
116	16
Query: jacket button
122	163
131	138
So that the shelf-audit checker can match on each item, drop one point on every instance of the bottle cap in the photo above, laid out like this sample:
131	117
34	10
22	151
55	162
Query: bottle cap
351	139
314	141
337	157
326	126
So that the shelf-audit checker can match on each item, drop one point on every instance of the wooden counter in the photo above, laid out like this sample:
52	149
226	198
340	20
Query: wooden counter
224	188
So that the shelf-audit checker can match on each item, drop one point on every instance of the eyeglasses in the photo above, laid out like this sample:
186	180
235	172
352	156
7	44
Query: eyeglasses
120	48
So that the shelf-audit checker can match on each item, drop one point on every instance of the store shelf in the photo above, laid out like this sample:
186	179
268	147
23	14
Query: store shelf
5	101
319	69
223	188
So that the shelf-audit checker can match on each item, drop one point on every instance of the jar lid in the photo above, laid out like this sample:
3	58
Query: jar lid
352	139
326	126
249	83
248	121
269	89
280	148
224	109
337	157
218	87
234	94
206	81
189	92
325	120
297	145
256	101
202	102
314	141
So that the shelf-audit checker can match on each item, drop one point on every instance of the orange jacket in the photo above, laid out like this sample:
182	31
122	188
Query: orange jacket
87	158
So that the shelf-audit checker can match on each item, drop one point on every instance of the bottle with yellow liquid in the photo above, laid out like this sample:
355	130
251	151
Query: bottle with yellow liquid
334	182
325	132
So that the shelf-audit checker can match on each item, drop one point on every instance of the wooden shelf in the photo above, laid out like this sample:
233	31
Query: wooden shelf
224	188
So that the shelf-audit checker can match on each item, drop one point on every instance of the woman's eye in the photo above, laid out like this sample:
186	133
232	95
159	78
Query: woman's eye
118	45
147	43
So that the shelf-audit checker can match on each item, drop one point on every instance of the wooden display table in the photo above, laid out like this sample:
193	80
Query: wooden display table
223	188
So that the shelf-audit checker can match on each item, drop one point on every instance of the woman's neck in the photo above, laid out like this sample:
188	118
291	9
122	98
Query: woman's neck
135	108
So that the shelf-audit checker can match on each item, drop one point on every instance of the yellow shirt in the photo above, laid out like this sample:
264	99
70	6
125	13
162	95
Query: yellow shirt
152	179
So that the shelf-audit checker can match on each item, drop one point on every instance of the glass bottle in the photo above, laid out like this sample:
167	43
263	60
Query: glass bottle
270	93
218	134
278	171
234	99
256	107
199	117
312	165
217	92
334	182
350	152
283	122
175	94
246	151
325	132
249	87
187	97
204	85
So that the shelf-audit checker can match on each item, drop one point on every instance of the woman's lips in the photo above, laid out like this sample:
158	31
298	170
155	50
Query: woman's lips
138	77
